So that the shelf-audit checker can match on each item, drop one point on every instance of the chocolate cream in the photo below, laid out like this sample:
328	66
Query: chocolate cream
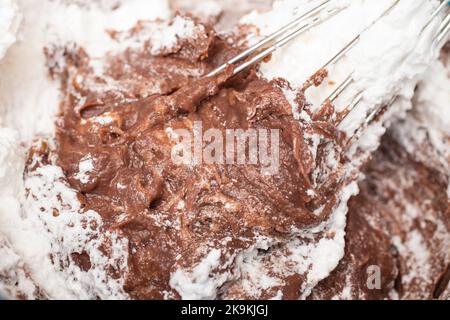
114	143
399	224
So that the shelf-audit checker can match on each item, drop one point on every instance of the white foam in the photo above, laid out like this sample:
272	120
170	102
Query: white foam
15	281
425	133
29	101
9	23
85	168
198	283
414	247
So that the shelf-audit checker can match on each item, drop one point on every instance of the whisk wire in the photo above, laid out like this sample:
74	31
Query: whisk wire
269	39
441	34
443	30
280	43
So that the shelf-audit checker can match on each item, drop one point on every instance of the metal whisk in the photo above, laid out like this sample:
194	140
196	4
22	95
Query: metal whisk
309	20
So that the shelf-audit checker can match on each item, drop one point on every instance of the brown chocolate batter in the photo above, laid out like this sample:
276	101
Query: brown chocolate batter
119	122
396	186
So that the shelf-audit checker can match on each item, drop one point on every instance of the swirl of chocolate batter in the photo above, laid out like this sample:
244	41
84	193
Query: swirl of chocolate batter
172	215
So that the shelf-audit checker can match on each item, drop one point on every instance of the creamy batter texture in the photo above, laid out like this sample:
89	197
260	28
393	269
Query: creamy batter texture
114	144
111	216
399	223
400	220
